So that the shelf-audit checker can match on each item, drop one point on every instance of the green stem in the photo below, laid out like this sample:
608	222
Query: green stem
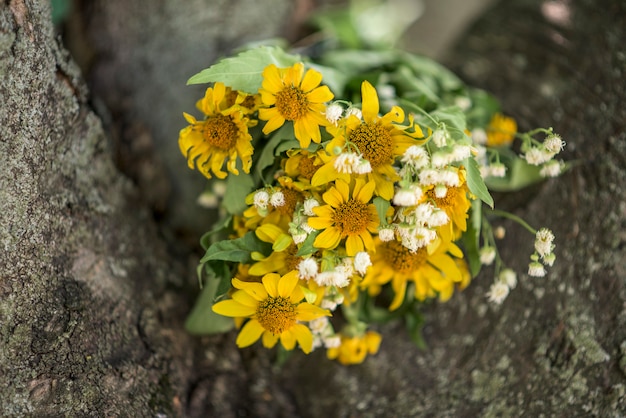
515	218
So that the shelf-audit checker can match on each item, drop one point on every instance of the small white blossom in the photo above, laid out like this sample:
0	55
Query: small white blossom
307	268
438	218
423	212
361	262
429	177
509	277
333	113
440	159
299	237
416	156
277	199
354	111
461	152
261	199
551	169
319	325
498	292
479	136
328	304
405	197
485	171
536	156
219	188
386	91
441	191
363	166
332	342
306	227
386	234
208	200
536	269
497	170
332	278
309	204
554	144
450	178
499	232
463	102
543	242
549	259
440	137
487	255
345	162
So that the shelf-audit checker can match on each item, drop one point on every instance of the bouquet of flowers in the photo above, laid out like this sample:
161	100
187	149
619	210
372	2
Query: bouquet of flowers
352	185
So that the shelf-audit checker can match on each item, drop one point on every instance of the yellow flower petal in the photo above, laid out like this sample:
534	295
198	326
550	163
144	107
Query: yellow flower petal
270	282
256	290
303	336
245	299
288	340
287	284
249	334
311	80
307	312
329	238
370	102
269	339
233	308
354	244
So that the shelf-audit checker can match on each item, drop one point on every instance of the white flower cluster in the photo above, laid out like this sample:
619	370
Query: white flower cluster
350	162
324	333
499	290
334	112
543	155
337	277
544	255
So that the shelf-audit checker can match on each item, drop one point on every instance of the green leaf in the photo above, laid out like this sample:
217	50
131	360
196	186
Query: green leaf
475	182
307	246
205	240
452	116
483	107
408	84
244	71
471	238
414	325
202	320
267	156
353	62
382	205
333	78
238	250
422	66
237	188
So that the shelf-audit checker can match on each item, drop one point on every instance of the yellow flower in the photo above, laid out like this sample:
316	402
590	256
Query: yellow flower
380	139
353	350
300	166
283	258
275	309
294	96
433	273
221	137
347	214
501	130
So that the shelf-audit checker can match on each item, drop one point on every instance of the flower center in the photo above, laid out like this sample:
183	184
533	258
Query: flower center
449	201
291	260
276	314
374	142
401	259
307	167
292	197
352	217
220	131
292	103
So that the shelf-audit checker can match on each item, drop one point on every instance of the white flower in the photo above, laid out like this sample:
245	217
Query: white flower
354	111
346	162
549	259
362	167
415	156
261	199
219	187
509	277
479	136
441	191
536	156
332	278
277	199
499	232
484	171
332	342
498	292
543	242
554	144
386	234
208	200
328	304
463	102
461	152
440	137
487	255
450	178
497	170
551	169
361	262
318	325
307	268
333	113
423	212
440	159
309	204
429	177
345	268
405	197
438	218
536	269
299	237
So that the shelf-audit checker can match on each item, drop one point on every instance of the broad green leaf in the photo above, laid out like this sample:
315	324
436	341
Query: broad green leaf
425	66
238	250
244	71
267	156
202	320
353	62
307	247
483	107
237	188
408	84
475	182
205	240
471	238
382	205
452	116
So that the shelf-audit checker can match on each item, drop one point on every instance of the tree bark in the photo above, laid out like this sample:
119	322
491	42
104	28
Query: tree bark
93	297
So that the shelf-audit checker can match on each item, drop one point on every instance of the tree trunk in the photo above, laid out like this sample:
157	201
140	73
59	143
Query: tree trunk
93	293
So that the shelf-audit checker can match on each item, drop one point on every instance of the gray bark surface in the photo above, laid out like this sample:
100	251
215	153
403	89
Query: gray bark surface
93	297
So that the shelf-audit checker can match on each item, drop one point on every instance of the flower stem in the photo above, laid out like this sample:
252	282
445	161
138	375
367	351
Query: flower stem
515	218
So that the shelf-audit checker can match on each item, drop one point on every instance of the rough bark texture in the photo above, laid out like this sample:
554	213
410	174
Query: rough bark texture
92	300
